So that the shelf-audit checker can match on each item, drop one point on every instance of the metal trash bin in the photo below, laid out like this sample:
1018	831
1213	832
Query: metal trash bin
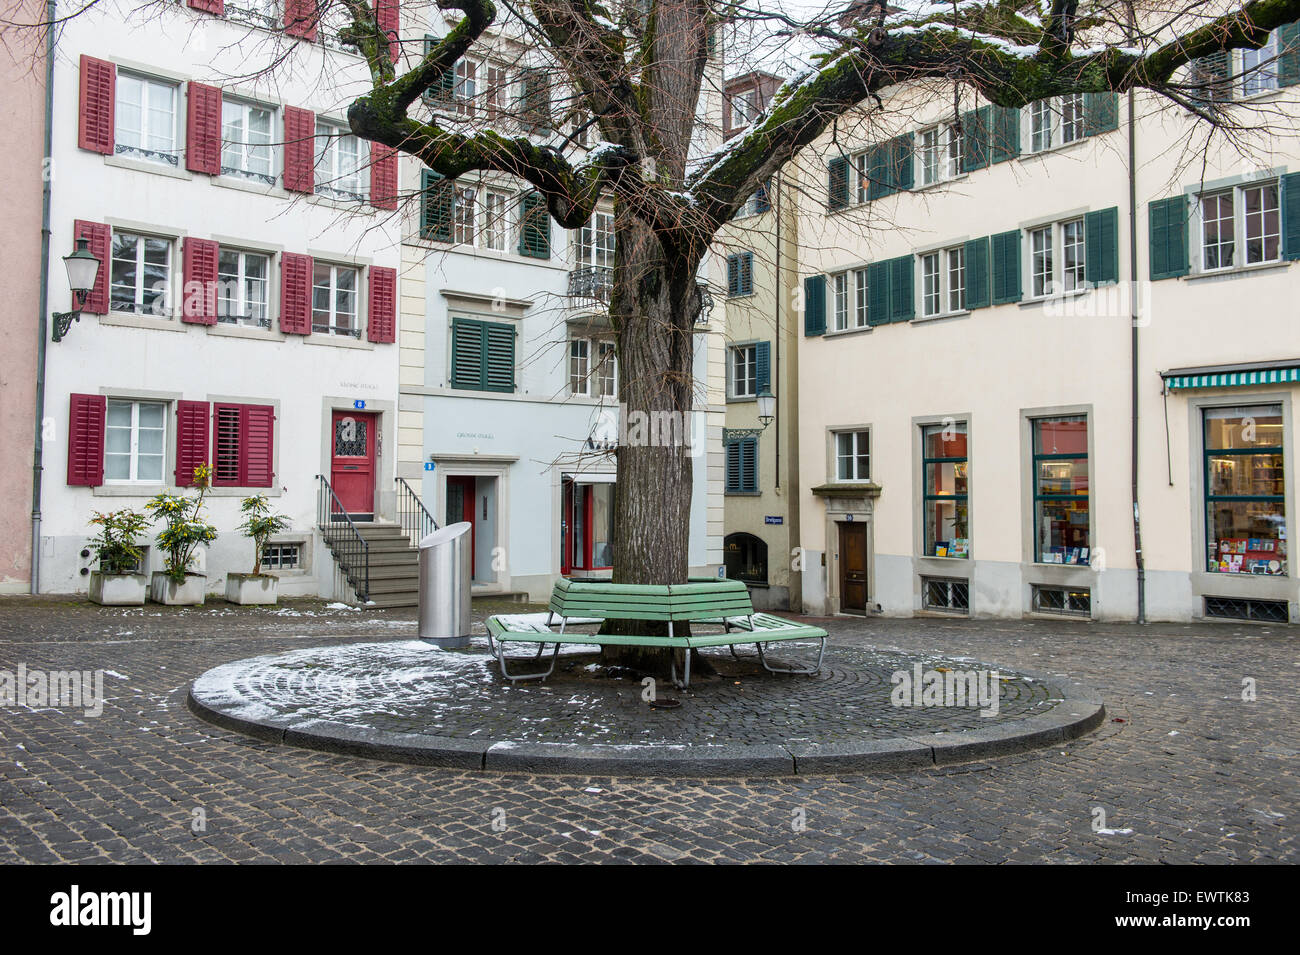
444	586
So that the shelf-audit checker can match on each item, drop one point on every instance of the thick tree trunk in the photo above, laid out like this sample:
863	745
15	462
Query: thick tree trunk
653	308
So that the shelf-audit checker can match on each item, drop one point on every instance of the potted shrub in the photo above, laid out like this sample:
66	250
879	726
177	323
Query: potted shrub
259	524
184	530
117	583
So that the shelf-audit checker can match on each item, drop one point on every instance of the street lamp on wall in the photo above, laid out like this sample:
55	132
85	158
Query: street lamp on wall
766	407
83	269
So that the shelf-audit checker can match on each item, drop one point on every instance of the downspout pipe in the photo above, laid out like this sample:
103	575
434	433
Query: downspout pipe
42	329
1139	560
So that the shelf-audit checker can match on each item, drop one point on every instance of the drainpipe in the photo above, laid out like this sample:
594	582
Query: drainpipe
1133	357
42	332
776	322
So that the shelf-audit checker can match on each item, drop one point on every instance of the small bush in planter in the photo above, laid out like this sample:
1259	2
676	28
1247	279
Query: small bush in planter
260	525
117	546
184	529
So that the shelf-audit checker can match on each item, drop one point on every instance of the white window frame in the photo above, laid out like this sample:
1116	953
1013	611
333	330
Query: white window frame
1258	69
742	367
744	107
333	328
162	306
940	160
134	452
333	179
240	315
495	232
941	295
170	155
591	381
270	562
464	213
856	435
1240	224
1064	115
593	242
465	91
244	147
1055	279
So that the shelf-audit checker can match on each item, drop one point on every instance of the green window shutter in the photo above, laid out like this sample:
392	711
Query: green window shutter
498	357
879	162
837	184
814	305
534	98
733	275
733	467
878	293
437	207
901	271
903	165
1006	266
1101	247
445	88
1212	74
1291	216
1167	223
1100	113
975	133
762	367
749	464
467	337
1288	54
746	273
534	227
977	273
1005	142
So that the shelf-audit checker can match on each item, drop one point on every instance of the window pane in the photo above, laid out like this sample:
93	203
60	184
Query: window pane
1244	426
1072	254
1262	223
1217	229
1062	531
1246	537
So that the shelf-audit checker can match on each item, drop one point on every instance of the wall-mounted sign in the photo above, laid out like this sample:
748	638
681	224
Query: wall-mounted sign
429	465
849	518
773	519
359	404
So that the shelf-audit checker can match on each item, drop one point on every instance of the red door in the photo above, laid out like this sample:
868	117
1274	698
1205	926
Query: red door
352	462
460	507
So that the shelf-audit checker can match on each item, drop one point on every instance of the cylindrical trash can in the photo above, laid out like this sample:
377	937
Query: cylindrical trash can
444	585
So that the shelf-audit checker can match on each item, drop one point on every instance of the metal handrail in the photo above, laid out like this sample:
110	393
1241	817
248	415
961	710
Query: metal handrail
353	555
591	281
414	517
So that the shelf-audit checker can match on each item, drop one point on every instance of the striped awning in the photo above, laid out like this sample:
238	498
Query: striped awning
1233	376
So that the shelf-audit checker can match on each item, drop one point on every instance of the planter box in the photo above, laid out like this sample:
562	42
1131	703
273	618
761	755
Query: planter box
251	589
118	590
164	590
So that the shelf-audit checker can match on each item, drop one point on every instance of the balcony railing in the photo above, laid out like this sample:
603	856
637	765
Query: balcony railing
592	282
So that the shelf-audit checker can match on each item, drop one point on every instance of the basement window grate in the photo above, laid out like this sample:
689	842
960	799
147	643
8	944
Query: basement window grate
1238	608
1065	601
945	594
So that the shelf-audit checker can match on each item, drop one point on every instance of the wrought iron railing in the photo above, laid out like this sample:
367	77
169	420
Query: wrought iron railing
591	281
351	551
414	517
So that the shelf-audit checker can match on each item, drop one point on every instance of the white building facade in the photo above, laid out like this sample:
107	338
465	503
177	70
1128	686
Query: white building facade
245	313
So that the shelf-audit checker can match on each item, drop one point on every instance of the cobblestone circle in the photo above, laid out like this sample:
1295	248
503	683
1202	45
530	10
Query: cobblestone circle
410	687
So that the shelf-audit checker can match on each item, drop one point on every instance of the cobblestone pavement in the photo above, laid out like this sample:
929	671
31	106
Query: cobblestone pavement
1184	770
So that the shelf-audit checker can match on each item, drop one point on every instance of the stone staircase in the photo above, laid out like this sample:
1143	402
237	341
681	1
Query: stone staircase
394	564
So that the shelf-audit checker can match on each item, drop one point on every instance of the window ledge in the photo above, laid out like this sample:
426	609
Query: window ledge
143	165
964	560
241	491
248	185
1054	297
500	255
143	491
350	205
337	341
1051	150
942	316
132	320
741	399
938	184
1236	271
742	493
840	332
247	331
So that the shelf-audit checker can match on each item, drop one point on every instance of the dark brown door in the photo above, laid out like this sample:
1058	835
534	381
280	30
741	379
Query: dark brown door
853	568
460	507
352	463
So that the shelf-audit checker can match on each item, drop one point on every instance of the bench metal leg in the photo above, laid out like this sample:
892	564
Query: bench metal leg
520	678
801	671
685	682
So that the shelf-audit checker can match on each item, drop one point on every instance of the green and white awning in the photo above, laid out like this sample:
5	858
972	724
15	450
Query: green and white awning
1233	376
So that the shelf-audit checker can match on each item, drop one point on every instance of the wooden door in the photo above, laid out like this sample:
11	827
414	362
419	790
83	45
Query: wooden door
352	462
853	568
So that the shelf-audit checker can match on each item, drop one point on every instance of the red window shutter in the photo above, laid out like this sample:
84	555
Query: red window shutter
217	7
257	427
383	177
95	129
300	18
299	149
295	293
203	130
383	305
100	236
199	270
191	440
387	14
225	446
86	440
